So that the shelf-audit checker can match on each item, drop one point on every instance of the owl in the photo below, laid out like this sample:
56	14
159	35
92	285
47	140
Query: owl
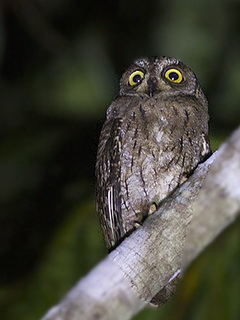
154	136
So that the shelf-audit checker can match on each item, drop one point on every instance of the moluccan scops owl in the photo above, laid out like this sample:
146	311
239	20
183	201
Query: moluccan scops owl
154	136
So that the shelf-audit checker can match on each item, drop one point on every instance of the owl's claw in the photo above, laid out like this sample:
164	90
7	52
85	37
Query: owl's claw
183	179
137	224
153	207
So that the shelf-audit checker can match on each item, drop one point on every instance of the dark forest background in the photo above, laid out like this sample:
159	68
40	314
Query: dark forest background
60	64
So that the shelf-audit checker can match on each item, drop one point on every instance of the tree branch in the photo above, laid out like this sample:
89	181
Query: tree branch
145	262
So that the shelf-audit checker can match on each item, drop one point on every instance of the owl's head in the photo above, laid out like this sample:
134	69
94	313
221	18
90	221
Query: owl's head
159	76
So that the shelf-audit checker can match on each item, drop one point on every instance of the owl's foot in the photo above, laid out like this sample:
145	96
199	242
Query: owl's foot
141	218
183	179
137	224
153	207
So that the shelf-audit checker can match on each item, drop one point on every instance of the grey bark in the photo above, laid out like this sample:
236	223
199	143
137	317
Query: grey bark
149	259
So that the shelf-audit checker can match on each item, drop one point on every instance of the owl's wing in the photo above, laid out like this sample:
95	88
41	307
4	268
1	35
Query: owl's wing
108	173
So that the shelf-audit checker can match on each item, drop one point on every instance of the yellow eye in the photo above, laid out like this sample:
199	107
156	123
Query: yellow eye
174	75
136	78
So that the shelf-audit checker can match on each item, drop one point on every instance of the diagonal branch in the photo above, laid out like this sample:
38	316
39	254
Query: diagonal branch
190	219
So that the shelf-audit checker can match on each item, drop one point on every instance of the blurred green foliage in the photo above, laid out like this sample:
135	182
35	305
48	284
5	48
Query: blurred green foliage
60	63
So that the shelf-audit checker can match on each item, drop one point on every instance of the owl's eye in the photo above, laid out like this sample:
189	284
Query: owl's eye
136	78
174	75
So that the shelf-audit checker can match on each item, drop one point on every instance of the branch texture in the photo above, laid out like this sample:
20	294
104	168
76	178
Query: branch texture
145	262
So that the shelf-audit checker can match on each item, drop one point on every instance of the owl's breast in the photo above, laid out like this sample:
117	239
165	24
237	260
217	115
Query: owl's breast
156	153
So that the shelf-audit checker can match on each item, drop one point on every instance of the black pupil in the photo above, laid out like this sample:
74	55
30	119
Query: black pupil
173	76
137	78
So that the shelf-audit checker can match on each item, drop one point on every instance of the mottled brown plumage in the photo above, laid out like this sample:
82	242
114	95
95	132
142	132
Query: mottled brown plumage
155	134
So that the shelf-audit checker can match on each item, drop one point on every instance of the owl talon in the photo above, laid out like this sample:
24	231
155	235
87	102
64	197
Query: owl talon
153	207
137	224
183	179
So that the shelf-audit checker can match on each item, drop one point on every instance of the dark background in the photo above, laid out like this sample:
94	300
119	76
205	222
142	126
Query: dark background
60	64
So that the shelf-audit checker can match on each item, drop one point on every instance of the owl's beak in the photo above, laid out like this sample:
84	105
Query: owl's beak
152	86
